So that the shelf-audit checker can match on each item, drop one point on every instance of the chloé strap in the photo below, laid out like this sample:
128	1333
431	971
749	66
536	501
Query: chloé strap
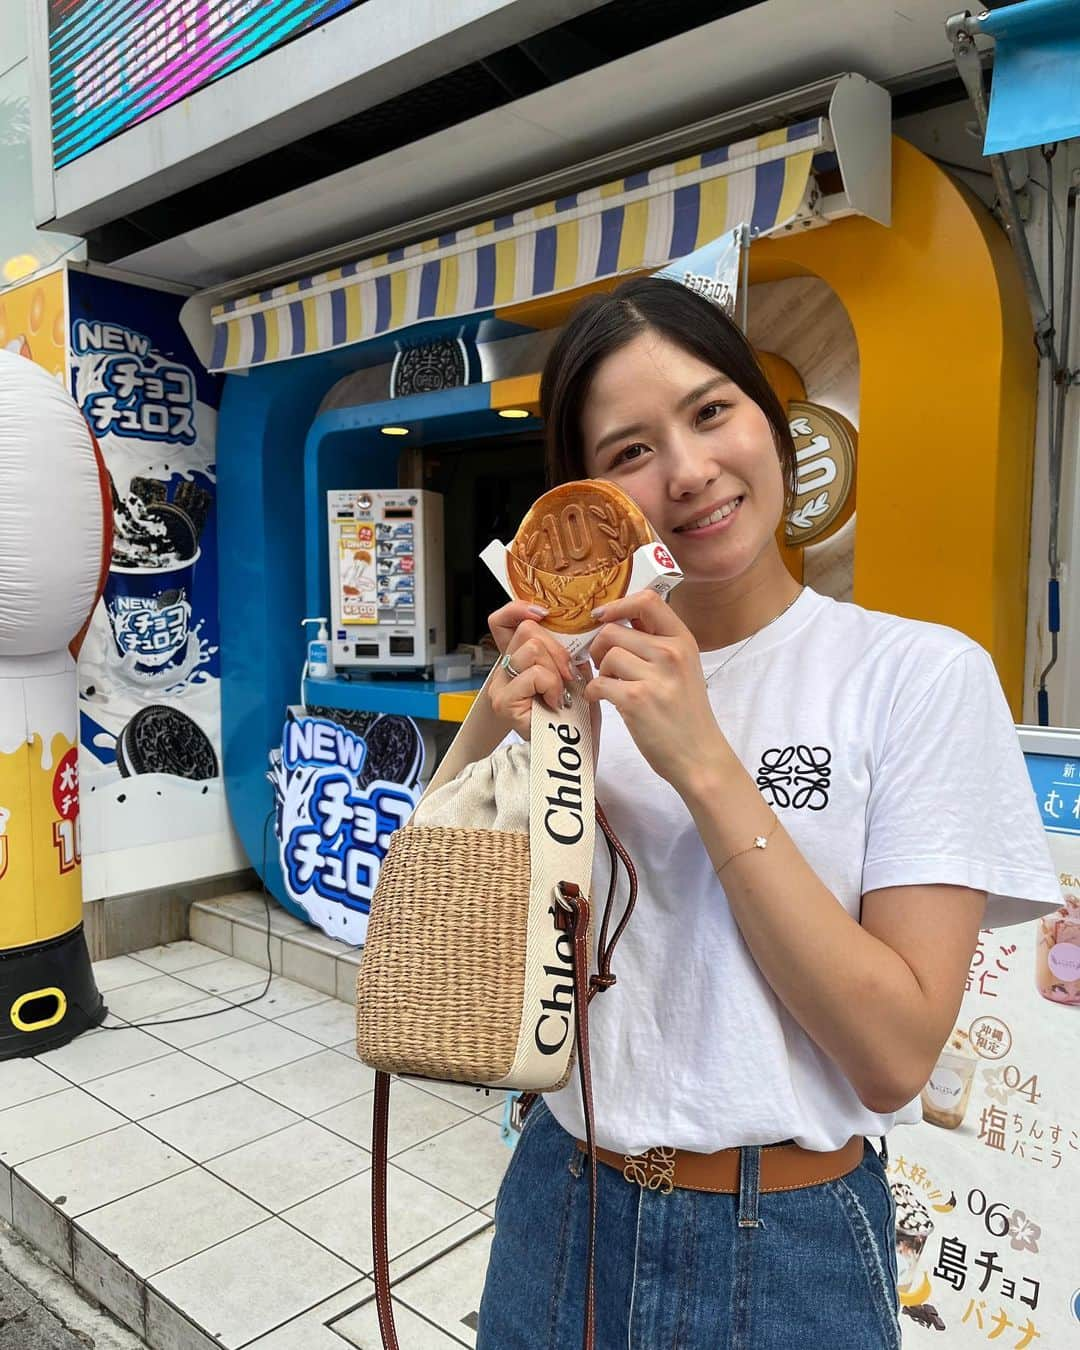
562	816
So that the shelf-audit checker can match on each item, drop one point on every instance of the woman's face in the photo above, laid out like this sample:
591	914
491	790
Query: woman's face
694	452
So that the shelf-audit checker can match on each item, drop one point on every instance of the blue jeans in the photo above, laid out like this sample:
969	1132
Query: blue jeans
679	1271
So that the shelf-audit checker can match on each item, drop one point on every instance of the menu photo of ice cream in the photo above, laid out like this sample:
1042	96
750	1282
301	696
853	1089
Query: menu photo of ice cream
945	1097
1057	954
155	554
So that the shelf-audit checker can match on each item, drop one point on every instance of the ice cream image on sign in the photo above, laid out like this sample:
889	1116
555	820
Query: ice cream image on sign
945	1097
913	1227
155	551
1057	954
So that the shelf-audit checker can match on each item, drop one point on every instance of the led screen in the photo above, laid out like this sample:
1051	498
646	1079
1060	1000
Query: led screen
114	63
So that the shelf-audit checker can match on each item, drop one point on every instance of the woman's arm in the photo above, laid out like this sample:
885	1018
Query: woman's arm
880	997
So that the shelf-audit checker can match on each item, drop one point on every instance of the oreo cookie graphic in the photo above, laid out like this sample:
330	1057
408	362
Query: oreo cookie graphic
148	490
395	752
195	502
356	722
178	526
159	739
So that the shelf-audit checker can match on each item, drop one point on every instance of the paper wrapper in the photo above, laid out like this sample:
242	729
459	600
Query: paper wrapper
653	569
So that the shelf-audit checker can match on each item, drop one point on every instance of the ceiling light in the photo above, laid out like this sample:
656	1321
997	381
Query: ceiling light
18	267
394	431
514	412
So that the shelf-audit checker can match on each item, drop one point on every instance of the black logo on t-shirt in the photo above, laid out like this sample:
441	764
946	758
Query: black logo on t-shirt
796	775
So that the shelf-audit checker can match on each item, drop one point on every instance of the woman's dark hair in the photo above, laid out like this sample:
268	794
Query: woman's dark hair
603	323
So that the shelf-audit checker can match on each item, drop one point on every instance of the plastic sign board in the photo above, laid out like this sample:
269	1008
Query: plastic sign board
339	796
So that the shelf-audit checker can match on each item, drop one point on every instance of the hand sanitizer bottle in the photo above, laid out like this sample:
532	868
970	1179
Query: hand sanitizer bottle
318	651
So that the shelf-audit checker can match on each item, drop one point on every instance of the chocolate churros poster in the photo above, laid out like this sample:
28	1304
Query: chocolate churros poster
149	674
984	1186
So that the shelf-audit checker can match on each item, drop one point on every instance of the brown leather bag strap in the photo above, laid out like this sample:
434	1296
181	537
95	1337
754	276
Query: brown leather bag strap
577	922
604	979
574	917
380	1245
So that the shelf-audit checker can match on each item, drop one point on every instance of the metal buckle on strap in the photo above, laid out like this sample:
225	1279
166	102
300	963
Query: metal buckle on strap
653	1170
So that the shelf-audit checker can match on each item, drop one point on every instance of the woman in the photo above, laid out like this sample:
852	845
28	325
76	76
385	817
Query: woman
818	800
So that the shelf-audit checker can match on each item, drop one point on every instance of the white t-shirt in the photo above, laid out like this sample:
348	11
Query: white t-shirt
888	751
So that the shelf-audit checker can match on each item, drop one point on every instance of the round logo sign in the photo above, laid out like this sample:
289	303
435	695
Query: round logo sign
825	444
990	1037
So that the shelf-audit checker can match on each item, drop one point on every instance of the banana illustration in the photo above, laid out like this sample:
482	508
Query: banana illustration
911	1298
947	1207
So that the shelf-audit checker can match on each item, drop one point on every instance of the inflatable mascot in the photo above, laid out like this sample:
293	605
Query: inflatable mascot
55	542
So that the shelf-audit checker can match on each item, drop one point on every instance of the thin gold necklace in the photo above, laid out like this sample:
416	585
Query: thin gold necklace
728	659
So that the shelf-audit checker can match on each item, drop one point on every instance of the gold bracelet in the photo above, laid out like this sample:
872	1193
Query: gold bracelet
760	841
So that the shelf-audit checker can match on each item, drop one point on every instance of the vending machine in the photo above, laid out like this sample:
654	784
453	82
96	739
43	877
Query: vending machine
387	582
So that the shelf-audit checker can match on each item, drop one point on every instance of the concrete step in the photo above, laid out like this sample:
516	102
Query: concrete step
247	923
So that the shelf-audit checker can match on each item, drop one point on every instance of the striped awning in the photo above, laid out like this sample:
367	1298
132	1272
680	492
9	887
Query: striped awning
642	221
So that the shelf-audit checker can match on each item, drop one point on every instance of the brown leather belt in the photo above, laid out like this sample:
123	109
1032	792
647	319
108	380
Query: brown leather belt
784	1167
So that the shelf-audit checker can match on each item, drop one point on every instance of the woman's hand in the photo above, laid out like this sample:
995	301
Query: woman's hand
544	669
542	662
651	672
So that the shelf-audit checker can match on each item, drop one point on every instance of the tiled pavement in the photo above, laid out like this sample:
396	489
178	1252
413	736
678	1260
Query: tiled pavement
209	1180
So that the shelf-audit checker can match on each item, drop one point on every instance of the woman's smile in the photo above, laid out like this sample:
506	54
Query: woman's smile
712	521
694	451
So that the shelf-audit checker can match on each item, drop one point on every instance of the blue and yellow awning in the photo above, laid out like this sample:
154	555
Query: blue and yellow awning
641	221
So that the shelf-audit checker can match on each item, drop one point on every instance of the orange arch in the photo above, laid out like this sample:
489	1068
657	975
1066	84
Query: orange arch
947	405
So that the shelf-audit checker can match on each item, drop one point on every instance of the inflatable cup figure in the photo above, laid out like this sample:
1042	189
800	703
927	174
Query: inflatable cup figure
55	543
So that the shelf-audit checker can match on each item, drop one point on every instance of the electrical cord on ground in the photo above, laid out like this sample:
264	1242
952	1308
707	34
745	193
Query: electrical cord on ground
216	1012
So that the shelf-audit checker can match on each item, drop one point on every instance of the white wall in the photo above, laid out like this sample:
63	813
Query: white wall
1064	681
24	250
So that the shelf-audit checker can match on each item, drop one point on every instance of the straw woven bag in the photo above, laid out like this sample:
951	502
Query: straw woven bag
476	967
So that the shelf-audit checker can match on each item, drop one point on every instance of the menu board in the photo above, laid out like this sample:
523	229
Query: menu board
376	570
984	1185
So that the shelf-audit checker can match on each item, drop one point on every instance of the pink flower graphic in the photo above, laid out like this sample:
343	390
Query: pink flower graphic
1024	1233
995	1086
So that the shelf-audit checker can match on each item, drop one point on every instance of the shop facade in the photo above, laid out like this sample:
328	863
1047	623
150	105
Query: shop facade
404	356
879	288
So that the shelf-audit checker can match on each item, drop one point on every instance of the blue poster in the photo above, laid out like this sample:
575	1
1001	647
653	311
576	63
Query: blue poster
149	676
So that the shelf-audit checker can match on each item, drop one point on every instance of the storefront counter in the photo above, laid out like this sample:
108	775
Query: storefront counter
446	701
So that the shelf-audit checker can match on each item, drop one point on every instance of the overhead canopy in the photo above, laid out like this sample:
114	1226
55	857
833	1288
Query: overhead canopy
640	221
1035	97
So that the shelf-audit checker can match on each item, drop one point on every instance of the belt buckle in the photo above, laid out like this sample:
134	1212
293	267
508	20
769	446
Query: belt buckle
653	1170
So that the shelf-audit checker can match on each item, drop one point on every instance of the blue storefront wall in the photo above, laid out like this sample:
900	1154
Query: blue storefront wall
277	457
